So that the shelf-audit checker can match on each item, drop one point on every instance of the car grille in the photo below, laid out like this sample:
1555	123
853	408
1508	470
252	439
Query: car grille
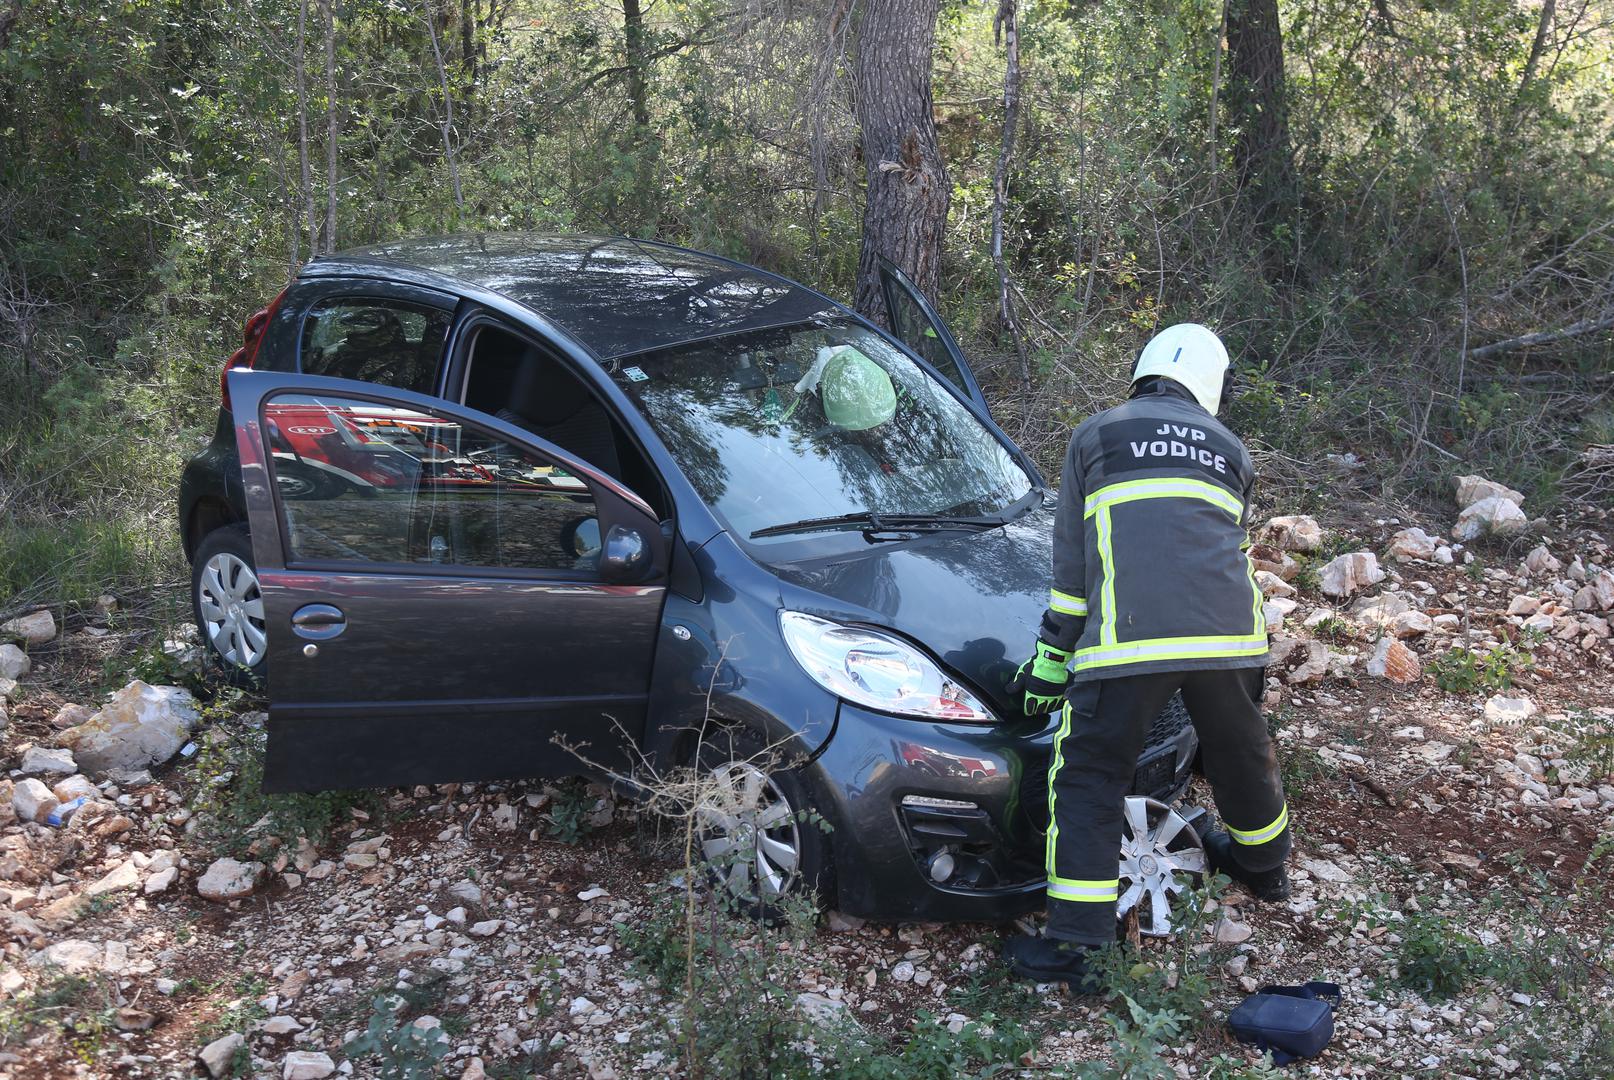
1158	771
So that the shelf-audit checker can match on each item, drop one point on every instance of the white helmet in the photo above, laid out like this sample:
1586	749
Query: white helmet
1190	354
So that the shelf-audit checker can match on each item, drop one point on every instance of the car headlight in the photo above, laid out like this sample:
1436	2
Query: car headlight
877	670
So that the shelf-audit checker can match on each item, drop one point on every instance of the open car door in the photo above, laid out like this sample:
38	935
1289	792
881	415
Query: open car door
915	323
446	597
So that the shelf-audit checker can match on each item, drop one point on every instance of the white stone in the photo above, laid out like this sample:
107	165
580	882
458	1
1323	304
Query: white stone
1232	933
218	1055
32	800
1443	555
228	879
1323	870
1490	517
1502	709
1381	610
48	761
1345	574
1272	585
141	726
125	876
902	971
71	716
14	663
307	1065
74	787
1411	624
73	956
35	629
281	1025
1523	605
580	1006
1313	667
1297	532
1394	661
486	928
160	881
1541	561
1473	489
1412	543
471	892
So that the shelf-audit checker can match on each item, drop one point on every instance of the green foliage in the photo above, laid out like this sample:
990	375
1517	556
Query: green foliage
985	1047
234	812
570	808
1437	959
1463	671
77	1009
1333	628
401	1050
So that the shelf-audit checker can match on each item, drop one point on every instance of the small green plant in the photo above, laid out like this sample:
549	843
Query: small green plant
239	1013
569	812
77	1009
1333	628
989	1046
1463	671
1438	960
1301	765
404	1051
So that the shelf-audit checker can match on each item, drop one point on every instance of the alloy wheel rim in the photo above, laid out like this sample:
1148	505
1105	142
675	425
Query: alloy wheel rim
231	608
1159	854
748	832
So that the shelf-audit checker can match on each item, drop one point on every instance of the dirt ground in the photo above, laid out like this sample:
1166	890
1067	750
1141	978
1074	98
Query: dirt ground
1420	816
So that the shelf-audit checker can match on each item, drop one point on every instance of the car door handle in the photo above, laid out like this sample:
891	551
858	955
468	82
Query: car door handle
318	622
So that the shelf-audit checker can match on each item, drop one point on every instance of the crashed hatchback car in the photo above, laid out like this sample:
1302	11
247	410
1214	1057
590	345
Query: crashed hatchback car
491	507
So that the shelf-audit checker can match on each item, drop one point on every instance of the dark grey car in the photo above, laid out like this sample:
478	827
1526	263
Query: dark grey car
506	506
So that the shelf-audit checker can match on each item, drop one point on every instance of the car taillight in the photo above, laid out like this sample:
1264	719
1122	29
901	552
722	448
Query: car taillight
247	354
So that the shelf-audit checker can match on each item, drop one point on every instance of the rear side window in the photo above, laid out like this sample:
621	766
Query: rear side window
375	341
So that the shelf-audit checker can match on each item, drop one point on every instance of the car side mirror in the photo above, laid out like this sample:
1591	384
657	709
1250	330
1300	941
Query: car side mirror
626	555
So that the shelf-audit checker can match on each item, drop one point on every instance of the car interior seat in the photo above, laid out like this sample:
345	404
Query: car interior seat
553	404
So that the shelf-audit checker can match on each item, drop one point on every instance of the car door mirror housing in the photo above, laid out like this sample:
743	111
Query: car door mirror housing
626	555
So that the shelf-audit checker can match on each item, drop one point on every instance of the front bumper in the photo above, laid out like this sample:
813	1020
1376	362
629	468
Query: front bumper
945	822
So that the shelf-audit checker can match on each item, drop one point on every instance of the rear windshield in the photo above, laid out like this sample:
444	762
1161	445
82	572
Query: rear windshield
817	420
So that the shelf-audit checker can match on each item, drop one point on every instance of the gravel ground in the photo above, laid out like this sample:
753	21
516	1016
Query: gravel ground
1420	816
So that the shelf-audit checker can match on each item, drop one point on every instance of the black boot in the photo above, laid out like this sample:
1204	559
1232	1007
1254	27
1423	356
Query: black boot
1047	960
1269	885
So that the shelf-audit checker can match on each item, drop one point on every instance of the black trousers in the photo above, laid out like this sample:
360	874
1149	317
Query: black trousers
1095	755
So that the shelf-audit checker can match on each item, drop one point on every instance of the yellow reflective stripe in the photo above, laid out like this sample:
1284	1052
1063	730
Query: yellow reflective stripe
1106	589
1183	648
1066	604
1165	487
1261	836
1053	771
1260	620
1089	892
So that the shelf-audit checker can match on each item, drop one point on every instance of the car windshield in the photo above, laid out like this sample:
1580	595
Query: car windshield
818	420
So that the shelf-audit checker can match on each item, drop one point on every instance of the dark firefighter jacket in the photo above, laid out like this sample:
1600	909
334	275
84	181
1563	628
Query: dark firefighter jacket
1150	570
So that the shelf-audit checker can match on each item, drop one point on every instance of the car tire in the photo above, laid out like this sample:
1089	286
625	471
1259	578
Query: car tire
743	782
227	605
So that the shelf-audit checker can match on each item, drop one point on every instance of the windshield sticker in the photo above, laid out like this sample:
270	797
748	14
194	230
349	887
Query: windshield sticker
635	374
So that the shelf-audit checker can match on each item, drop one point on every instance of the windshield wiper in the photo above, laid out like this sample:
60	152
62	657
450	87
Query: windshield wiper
883	523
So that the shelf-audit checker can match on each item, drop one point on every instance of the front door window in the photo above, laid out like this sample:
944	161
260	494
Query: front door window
366	483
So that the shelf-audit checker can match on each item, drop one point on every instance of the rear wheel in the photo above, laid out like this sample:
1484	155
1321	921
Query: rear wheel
756	828
228	604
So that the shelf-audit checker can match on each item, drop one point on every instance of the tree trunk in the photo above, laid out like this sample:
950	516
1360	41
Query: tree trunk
1257	104
331	105
640	143
905	205
300	76
1007	23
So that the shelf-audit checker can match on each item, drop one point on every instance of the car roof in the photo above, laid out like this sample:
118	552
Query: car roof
615	294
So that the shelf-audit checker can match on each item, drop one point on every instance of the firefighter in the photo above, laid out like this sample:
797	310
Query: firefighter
1153	593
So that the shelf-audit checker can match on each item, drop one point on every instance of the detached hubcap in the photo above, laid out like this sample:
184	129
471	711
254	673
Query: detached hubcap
1158	853
232	610
748	832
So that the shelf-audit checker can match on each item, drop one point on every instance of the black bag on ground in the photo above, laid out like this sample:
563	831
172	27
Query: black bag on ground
1289	1021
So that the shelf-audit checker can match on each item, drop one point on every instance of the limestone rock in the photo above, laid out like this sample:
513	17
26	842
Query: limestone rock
160	881
1490	517
218	1055
74	787
1272	585
1380	610
48	761
1297	532
1268	558
14	663
142	725
1473	489
1345	574
32	800
69	716
1412	543
74	957
36	628
124	877
1313	667
307	1065
227	879
1523	605
1394	661
1541	561
1232	933
1411	624
1503	709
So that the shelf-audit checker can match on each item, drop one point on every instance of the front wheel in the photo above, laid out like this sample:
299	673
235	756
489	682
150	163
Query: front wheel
756	826
227	603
